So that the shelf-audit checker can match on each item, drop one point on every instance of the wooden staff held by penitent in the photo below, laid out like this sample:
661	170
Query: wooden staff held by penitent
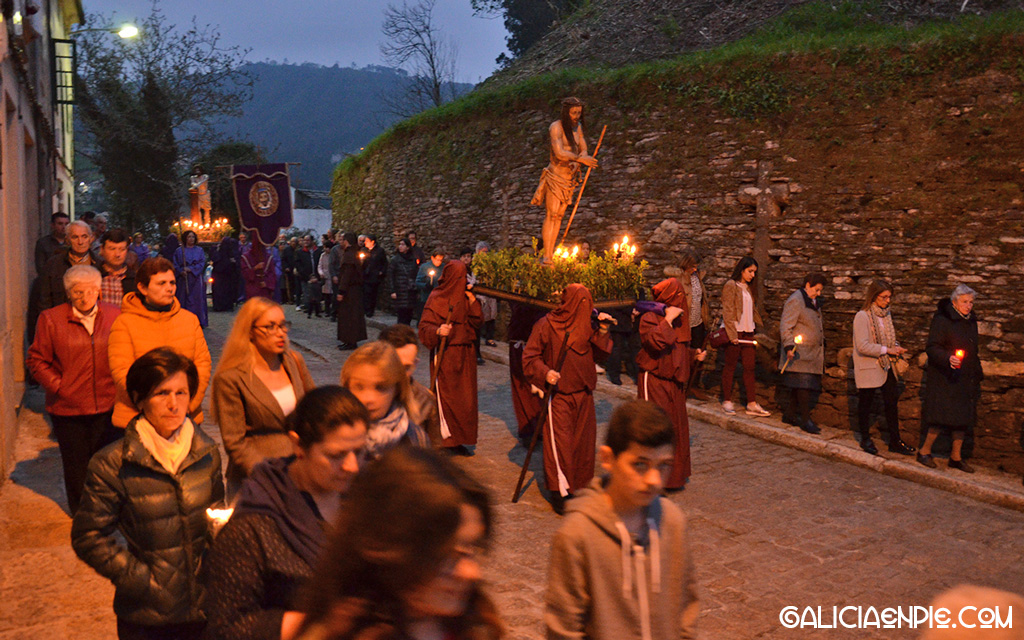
542	417
440	352
582	187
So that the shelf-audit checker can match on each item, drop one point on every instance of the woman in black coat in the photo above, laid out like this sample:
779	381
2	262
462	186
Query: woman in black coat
154	487
953	377
278	531
402	278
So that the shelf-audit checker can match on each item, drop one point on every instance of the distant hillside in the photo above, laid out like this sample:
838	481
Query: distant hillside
614	33
315	115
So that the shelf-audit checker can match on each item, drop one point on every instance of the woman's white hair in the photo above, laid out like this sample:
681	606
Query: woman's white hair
962	290
82	274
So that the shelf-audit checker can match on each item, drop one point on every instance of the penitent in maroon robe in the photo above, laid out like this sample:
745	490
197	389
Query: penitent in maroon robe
664	361
525	403
570	434
455	385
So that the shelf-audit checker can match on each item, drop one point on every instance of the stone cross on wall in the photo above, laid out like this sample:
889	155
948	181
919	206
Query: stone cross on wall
770	196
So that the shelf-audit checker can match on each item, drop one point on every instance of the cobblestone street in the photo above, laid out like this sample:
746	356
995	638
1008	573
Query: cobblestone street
771	527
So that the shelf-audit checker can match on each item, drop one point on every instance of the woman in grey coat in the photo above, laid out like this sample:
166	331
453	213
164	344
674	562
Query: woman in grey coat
803	350
875	350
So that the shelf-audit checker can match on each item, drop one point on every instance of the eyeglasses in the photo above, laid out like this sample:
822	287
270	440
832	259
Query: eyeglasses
81	293
284	327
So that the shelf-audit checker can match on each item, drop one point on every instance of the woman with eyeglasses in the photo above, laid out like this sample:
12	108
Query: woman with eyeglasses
403	562
258	382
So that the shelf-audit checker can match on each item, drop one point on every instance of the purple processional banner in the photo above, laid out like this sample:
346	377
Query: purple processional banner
264	200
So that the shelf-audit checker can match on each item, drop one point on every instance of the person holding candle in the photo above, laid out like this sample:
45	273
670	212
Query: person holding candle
428	276
402	279
740	315
270	546
874	350
802	360
153	487
952	378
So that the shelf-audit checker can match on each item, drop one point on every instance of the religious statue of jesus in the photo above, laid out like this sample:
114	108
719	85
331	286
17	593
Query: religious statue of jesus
199	195
559	179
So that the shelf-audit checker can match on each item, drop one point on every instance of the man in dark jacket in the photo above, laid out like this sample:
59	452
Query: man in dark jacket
51	279
289	294
53	243
375	268
347	277
307	258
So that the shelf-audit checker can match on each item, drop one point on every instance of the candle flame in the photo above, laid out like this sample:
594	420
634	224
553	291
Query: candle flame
219	515
798	339
431	272
615	247
960	353
625	239
632	249
575	250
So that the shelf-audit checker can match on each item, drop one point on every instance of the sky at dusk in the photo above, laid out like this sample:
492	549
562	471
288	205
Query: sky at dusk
321	31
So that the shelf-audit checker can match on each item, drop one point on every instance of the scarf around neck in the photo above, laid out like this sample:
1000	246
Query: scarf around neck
388	431
169	452
884	335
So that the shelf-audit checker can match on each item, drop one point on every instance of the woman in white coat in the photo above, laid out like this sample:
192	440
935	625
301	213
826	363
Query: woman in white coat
875	350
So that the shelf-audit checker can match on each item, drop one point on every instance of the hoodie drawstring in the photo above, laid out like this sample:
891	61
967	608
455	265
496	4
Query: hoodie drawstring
627	575
652	529
640	559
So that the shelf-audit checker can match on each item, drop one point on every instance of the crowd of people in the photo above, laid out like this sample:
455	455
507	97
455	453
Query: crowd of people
338	516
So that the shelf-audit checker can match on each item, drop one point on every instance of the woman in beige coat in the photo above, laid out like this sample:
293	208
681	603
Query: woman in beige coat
875	349
258	382
740	315
802	360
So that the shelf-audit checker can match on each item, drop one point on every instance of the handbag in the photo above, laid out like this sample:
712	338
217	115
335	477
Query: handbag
718	338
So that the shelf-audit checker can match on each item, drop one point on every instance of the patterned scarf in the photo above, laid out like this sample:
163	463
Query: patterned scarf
388	431
888	333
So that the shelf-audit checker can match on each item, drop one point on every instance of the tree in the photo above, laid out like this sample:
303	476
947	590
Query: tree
526	21
415	44
148	105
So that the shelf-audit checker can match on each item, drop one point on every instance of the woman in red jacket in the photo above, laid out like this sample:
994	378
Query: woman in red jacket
69	359
453	313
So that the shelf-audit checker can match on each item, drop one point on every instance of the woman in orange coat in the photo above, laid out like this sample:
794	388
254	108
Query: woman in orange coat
454	312
570	434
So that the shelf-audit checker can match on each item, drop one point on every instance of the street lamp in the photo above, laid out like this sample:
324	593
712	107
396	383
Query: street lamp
126	31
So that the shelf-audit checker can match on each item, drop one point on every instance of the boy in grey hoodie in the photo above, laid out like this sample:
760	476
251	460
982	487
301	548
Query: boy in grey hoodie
621	566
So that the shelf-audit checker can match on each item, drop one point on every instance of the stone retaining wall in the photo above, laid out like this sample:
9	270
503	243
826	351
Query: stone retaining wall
916	179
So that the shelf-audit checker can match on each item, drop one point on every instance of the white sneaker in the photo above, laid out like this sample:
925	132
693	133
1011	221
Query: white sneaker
754	409
728	408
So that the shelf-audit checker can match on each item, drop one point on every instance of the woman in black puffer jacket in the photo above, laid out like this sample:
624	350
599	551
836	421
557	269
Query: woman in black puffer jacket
154	487
402	277
953	377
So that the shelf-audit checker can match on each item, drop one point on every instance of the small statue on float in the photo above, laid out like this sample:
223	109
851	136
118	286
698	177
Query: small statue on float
199	196
560	178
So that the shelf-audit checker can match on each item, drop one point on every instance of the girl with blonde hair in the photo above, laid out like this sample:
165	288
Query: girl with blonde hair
375	375
257	384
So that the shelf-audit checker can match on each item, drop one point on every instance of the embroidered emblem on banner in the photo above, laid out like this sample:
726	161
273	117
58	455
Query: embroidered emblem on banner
263	199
